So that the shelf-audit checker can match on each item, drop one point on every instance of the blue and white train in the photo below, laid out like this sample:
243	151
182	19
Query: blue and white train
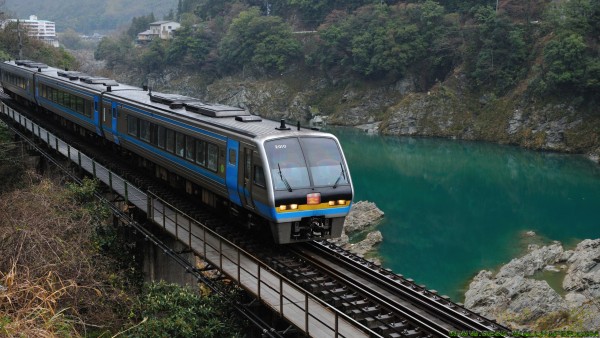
294	180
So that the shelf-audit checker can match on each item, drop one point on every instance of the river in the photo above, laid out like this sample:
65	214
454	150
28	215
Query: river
453	208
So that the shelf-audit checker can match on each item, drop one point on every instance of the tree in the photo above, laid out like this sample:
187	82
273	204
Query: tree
140	24
71	39
565	61
261	41
497	54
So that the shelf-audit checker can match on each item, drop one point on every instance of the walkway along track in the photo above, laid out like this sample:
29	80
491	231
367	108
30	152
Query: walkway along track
323	303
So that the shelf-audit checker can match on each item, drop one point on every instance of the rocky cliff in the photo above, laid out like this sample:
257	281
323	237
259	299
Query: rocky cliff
449	109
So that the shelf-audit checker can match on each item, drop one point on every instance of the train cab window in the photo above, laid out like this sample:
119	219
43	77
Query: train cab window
170	144
145	130
287	164
259	176
213	157
160	137
189	148
132	125
200	153
180	144
325	161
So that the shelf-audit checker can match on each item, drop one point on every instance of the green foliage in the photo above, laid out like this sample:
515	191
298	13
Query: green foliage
115	51
570	58
260	41
497	51
168	310
33	49
191	46
140	24
154	56
386	40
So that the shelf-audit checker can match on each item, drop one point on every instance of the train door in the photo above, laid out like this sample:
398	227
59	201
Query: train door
231	174
97	106
245	183
105	119
114	116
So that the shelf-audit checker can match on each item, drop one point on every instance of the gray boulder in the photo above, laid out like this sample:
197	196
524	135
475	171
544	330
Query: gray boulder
363	214
583	275
516	300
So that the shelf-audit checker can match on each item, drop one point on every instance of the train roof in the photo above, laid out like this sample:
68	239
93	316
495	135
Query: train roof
234	119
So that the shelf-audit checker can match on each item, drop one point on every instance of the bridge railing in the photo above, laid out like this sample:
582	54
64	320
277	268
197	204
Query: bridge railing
307	312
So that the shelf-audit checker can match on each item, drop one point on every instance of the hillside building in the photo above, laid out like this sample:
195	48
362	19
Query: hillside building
42	30
160	29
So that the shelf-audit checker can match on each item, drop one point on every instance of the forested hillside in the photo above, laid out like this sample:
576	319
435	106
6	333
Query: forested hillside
522	72
88	16
555	43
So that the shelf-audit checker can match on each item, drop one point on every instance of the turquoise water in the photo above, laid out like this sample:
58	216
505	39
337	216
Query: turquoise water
453	208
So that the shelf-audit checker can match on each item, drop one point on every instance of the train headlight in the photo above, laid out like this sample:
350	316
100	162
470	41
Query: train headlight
293	206
331	203
283	207
341	202
313	199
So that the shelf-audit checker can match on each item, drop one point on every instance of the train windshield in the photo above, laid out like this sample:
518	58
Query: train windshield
305	162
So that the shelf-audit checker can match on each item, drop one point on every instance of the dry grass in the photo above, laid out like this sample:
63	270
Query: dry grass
53	281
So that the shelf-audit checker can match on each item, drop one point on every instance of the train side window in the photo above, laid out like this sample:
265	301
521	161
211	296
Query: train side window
145	130
189	148
80	106
170	146
87	108
180	144
200	153
259	176
232	156
213	157
160	137
132	125
72	102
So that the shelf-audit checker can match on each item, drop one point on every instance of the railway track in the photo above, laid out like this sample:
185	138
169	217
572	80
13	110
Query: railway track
388	304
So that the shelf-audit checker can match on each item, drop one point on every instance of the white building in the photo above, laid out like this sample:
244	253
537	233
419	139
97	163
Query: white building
159	29
42	30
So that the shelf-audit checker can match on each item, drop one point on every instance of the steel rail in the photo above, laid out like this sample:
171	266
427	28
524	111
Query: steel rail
461	318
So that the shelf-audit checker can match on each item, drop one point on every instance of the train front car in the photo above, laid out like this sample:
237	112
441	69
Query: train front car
310	189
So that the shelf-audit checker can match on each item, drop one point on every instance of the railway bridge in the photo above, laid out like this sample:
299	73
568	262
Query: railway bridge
318	288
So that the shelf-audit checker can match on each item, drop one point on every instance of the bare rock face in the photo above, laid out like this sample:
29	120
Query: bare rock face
366	245
518	301
363	214
510	294
583	275
535	260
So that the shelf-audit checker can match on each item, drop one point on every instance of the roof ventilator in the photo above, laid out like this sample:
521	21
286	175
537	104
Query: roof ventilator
282	126
72	75
31	64
99	80
248	118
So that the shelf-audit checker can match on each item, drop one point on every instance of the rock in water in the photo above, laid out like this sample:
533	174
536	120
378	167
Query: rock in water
363	214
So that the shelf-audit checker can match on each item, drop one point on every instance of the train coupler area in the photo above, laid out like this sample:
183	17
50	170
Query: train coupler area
311	228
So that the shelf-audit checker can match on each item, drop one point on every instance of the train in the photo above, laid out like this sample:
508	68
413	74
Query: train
291	181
